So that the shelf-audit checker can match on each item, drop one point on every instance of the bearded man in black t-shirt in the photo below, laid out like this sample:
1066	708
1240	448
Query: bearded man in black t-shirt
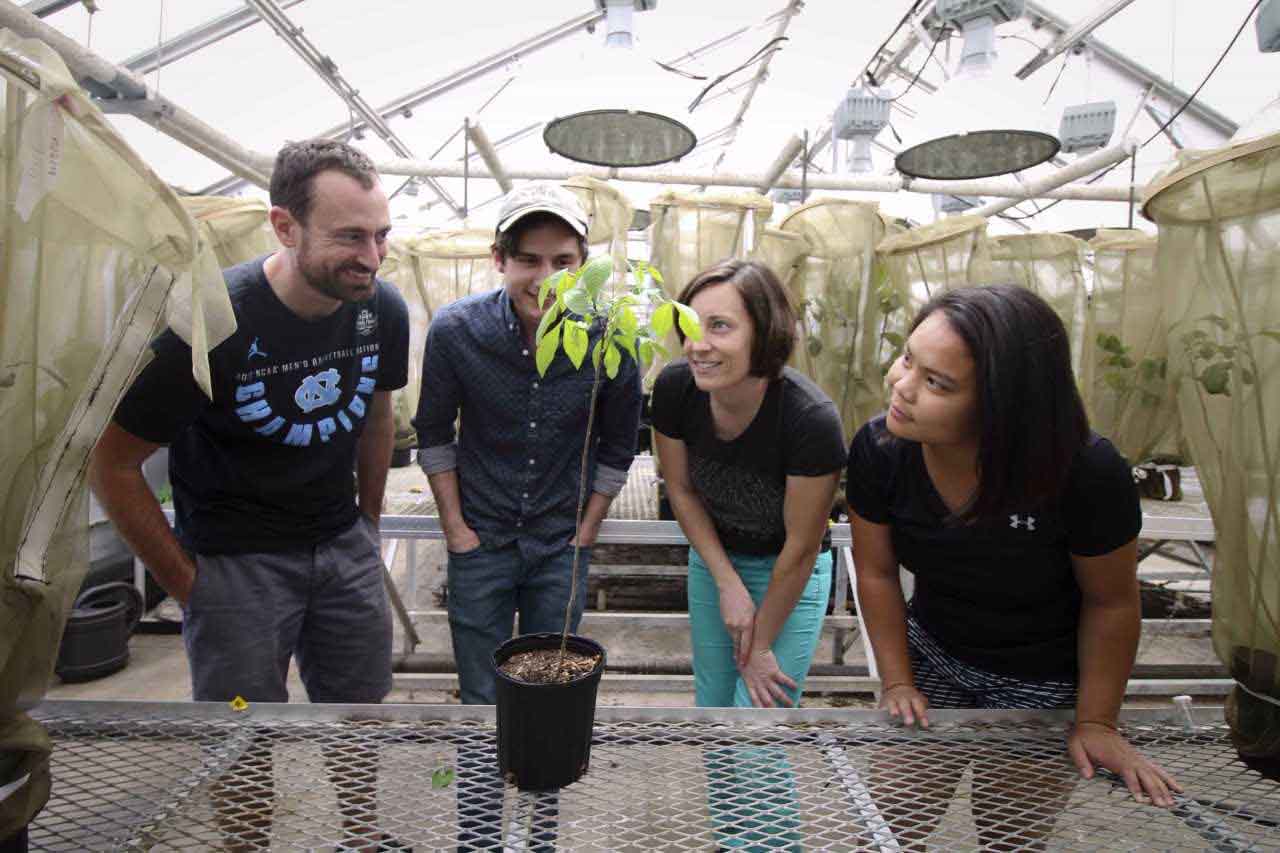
276	551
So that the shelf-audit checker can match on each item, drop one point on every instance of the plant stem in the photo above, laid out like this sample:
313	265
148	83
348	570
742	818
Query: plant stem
582	502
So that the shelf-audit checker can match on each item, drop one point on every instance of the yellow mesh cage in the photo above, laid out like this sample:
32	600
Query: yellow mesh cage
1219	258
851	316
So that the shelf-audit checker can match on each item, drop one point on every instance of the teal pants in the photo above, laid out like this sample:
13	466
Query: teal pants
751	790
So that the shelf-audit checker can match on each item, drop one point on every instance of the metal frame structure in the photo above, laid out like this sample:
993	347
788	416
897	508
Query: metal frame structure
139	776
327	70
195	39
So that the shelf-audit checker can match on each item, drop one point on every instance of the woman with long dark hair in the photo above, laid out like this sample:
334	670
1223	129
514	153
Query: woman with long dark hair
1020	527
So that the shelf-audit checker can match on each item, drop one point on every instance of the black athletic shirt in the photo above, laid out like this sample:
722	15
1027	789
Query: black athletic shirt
743	482
1000	595
267	465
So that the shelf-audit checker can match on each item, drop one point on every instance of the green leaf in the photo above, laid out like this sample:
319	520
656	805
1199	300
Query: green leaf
1270	333
627	341
545	288
595	273
548	318
612	360
654	274
1116	381
1216	377
442	777
689	322
627	320
575	341
894	339
646	353
815	347
1216	320
663	319
547	349
565	282
1207	351
579	302
595	354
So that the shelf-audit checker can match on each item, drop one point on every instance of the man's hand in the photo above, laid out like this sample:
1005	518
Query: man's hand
587	534
461	539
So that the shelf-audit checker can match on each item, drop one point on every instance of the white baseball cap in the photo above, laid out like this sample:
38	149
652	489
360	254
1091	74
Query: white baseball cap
543	196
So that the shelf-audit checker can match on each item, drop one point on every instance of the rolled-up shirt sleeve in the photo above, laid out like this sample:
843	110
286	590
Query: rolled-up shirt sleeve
438	400
619	414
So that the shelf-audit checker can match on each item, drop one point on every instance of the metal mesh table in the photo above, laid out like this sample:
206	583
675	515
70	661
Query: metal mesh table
170	776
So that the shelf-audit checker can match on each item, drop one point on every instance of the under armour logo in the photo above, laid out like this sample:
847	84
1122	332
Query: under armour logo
366	322
1028	523
318	390
253	350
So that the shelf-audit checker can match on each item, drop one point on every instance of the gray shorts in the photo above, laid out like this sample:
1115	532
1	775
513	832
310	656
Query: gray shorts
248	613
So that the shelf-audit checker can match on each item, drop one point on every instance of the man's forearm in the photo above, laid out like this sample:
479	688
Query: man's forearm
137	516
444	488
373	456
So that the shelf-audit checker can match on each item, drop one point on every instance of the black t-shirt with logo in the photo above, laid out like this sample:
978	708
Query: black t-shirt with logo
743	482
999	595
267	464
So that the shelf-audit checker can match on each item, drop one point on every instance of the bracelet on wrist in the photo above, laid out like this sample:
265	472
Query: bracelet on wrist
885	688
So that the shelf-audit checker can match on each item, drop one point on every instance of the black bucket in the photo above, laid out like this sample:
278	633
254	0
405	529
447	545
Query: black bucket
95	641
544	730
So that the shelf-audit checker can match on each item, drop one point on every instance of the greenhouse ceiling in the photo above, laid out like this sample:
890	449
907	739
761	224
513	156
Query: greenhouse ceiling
760	72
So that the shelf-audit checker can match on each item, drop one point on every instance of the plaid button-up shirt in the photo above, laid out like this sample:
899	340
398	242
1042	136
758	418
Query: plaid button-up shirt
519	444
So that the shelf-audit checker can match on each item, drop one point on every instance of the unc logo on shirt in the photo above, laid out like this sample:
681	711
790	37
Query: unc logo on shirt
1028	523
319	389
366	322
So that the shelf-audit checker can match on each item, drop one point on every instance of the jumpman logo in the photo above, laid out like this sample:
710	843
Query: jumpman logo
253	350
1028	523
318	390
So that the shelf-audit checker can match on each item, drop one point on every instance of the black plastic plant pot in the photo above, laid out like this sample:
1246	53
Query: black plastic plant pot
544	730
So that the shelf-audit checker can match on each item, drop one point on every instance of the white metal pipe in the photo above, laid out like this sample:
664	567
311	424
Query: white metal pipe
793	9
994	188
167	117
786	157
489	154
1084	166
1065	41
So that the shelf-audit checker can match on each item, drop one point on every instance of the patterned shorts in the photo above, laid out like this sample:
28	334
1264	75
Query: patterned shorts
951	683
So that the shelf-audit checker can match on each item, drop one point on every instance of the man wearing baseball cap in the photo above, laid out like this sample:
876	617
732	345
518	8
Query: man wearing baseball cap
506	484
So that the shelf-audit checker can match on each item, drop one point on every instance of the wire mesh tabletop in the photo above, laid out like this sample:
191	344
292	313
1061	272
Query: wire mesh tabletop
195	776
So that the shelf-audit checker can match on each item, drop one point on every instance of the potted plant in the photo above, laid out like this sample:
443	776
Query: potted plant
547	682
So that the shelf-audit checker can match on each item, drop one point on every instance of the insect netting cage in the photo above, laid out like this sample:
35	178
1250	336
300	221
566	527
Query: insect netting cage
1051	265
689	232
1219	258
851	316
236	229
609	213
98	254
1126	383
934	258
430	271
784	253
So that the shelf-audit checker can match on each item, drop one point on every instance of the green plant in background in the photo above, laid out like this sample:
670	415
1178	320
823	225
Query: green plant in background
590	297
1145	378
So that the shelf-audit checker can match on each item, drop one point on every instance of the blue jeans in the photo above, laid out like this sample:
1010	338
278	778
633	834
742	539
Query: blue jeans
486	589
751	790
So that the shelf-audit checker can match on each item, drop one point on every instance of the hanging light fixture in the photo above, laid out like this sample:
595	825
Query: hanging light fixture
620	136
859	117
991	135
